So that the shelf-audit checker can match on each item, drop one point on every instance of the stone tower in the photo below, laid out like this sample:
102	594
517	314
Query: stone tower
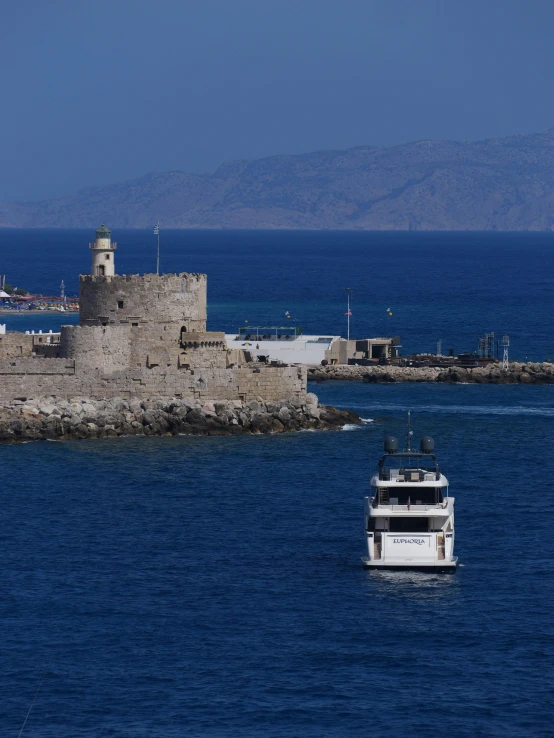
103	253
160	305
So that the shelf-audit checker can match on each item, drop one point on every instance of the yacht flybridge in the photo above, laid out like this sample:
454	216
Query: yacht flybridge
409	516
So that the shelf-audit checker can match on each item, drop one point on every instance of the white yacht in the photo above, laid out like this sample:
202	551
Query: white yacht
409	517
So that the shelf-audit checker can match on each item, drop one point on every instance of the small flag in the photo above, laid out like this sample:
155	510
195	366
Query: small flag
157	229
348	313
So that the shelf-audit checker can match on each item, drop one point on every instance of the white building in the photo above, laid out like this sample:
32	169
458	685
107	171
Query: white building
288	345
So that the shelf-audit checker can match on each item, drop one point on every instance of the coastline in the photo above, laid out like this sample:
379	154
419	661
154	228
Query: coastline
58	420
517	373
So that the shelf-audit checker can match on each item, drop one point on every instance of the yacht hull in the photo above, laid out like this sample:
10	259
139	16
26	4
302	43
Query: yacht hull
449	566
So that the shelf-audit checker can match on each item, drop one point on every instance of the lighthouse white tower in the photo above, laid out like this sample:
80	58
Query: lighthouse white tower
103	253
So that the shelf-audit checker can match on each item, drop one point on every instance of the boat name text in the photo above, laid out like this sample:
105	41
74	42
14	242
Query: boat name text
419	541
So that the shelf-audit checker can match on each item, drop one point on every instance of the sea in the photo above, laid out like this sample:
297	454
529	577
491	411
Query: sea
213	587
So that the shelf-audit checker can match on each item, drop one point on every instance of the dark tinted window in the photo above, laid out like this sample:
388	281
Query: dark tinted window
408	525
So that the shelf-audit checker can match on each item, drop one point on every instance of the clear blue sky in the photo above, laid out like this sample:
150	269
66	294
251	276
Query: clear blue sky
98	91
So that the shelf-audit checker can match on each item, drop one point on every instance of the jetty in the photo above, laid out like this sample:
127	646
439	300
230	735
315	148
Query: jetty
516	373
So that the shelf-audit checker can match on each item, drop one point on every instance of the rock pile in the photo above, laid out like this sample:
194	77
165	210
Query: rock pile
528	373
54	419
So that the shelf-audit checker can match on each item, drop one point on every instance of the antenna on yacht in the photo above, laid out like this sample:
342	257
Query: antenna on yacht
409	434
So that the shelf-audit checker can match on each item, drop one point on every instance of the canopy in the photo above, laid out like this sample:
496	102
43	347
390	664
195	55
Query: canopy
3	294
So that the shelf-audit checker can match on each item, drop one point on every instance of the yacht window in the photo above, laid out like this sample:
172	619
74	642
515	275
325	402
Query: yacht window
417	495
408	525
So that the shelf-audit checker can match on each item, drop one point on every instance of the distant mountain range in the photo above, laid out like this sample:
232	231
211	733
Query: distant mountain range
496	184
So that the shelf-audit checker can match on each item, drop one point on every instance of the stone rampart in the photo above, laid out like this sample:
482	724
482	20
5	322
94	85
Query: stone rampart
62	378
14	344
36	366
203	350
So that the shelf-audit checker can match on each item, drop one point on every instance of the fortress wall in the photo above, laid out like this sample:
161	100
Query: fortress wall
39	378
36	366
144	337
203	350
36	376
15	345
117	347
50	350
147	300
161	346
105	349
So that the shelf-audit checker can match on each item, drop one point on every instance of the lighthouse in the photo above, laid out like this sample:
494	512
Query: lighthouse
103	253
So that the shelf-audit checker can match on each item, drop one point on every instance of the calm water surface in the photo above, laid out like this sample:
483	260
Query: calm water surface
213	587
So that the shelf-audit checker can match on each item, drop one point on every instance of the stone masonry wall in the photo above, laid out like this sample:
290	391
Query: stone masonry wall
39	378
13	345
35	366
204	350
105	349
178	299
116	347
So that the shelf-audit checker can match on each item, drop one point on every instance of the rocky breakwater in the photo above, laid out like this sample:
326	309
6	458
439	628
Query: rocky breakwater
54	419
517	373
377	374
528	373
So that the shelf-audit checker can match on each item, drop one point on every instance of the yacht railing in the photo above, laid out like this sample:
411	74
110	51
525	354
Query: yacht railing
411	506
408	475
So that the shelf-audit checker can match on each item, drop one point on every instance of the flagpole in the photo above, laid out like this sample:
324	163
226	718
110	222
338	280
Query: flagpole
348	313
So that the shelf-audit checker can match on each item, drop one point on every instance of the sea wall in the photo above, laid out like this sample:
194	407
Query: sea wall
81	418
517	373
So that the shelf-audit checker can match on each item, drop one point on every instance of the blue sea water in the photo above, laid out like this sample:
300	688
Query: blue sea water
213	586
449	286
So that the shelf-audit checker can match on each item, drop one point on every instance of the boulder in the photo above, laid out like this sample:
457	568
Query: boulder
284	414
48	410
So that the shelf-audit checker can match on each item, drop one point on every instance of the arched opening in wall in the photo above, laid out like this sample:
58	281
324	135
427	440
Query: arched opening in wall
183	331
101	270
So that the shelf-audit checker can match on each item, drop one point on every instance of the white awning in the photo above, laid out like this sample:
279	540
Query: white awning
3	294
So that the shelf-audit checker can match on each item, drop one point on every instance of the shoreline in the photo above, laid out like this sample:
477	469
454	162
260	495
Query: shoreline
47	311
517	373
51	419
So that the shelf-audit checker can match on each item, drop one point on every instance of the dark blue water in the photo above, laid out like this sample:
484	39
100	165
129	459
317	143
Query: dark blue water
437	285
213	586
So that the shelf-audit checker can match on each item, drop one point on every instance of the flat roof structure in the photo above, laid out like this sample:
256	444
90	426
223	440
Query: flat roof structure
290	347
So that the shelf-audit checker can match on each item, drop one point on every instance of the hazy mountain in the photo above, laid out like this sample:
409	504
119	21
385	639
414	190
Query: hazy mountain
497	184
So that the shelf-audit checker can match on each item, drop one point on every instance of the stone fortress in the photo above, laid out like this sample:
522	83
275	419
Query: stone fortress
140	336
